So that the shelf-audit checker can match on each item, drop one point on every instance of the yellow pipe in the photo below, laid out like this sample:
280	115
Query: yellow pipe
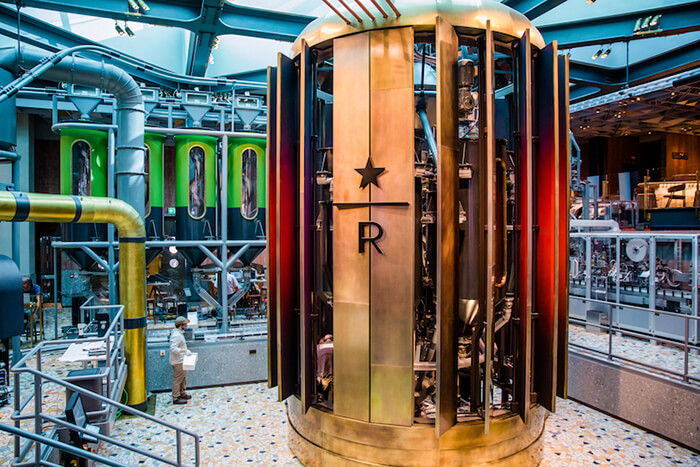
36	207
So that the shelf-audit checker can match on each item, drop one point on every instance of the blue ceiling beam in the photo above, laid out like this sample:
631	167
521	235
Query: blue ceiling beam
608	80
206	19
188	14
533	8
674	20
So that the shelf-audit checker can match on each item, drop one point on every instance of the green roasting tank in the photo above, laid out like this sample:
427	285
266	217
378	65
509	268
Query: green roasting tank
83	173
246	192
195	194
154	190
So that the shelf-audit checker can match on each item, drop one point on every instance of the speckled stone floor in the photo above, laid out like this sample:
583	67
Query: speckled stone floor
645	351
245	425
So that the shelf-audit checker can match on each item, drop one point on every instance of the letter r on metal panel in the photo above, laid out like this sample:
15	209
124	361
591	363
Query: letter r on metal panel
365	235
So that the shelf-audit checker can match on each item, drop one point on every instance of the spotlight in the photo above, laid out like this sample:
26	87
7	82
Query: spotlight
172	250
645	23
638	25
128	30
133	5
655	21
211	59
143	5
217	41
597	54
590	2
606	53
119	29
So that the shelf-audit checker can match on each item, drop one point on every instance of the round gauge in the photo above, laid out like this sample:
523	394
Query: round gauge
174	263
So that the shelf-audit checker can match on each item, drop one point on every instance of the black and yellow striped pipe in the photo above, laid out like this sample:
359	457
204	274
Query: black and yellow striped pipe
36	207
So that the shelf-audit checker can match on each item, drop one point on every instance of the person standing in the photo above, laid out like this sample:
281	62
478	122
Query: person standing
178	350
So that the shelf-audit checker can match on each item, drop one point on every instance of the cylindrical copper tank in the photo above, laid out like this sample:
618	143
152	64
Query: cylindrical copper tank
417	183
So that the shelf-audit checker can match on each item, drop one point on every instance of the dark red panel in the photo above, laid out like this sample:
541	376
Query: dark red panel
271	197
287	212
546	219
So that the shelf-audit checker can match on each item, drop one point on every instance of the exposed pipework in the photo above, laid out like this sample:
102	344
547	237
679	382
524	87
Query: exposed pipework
428	132
34	207
130	109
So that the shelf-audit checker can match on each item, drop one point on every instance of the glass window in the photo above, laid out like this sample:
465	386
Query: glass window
81	168
249	184
147	170
197	197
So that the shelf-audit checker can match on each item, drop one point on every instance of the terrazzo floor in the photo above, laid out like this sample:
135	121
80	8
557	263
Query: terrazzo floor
660	355
245	425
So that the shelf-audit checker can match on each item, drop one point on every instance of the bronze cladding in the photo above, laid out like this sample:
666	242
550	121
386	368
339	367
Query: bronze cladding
319	438
271	250
351	321
562	257
306	223
392	272
447	219
286	236
523	363
490	152
546	160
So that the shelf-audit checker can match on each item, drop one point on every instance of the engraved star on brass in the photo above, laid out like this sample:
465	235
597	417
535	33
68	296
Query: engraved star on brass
369	174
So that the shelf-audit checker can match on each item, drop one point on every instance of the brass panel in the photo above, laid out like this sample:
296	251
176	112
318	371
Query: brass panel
306	223
392	271
546	160
562	257
490	153
523	360
468	15
447	218
271	218
321	438
287	278
350	269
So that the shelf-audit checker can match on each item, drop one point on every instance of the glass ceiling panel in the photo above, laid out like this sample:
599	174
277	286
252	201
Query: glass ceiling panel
147	44
640	50
300	7
240	53
573	10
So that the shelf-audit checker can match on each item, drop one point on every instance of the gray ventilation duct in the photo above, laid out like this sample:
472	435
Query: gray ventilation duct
130	111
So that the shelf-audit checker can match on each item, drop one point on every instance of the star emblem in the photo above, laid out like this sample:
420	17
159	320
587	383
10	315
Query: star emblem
369	174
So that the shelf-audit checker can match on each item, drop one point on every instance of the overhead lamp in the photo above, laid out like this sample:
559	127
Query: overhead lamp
606	53
655	21
128	30
645	23
638	25
597	54
217	42
143	5
590	2
133	5
211	59
119	29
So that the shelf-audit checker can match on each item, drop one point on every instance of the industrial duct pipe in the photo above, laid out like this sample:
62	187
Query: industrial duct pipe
35	207
130	111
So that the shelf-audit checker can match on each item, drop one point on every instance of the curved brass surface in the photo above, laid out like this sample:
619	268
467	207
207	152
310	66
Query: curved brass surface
421	14
132	278
322	438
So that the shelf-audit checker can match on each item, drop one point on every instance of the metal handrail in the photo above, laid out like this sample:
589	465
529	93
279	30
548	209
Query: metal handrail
113	337
685	345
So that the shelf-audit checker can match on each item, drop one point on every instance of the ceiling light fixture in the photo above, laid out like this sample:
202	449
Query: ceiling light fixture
606	53
590	2
118	28
638	25
133	5
211	59
143	5
655	21
128	30
597	54
217	42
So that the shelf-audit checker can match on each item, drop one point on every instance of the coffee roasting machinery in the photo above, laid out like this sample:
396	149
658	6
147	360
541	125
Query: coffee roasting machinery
418	190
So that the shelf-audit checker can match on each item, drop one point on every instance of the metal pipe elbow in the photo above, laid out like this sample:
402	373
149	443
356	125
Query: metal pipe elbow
114	211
